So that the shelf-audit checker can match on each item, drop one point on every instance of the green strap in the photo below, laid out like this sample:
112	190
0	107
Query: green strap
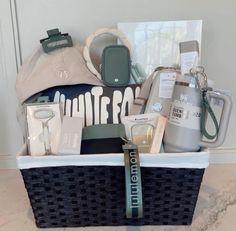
206	108
134	202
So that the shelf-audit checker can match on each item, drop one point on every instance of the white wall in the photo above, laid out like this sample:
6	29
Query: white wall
80	18
10	139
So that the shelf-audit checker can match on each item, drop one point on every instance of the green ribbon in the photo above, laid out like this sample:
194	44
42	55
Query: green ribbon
206	108
134	202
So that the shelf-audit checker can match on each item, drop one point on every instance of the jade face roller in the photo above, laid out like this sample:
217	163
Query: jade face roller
44	116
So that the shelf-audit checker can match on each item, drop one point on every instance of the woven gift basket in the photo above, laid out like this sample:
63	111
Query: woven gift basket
89	190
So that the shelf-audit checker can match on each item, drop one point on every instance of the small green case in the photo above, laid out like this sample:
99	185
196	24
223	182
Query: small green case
116	66
103	131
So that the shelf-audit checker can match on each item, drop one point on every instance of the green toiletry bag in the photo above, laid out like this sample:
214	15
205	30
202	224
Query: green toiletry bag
103	131
102	138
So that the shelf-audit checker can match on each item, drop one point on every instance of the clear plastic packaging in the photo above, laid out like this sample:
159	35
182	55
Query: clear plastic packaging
140	129
43	128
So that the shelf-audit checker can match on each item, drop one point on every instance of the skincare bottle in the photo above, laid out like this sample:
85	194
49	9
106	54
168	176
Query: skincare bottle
189	55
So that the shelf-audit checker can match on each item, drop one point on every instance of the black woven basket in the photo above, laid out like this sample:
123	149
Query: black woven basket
75	196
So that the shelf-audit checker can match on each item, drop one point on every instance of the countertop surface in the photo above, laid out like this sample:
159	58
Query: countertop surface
215	210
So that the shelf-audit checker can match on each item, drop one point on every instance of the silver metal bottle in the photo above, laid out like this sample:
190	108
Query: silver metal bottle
182	133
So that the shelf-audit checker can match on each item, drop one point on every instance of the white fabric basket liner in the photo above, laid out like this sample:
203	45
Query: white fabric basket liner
165	160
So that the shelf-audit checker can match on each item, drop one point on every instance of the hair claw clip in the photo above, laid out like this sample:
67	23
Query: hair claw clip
56	40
